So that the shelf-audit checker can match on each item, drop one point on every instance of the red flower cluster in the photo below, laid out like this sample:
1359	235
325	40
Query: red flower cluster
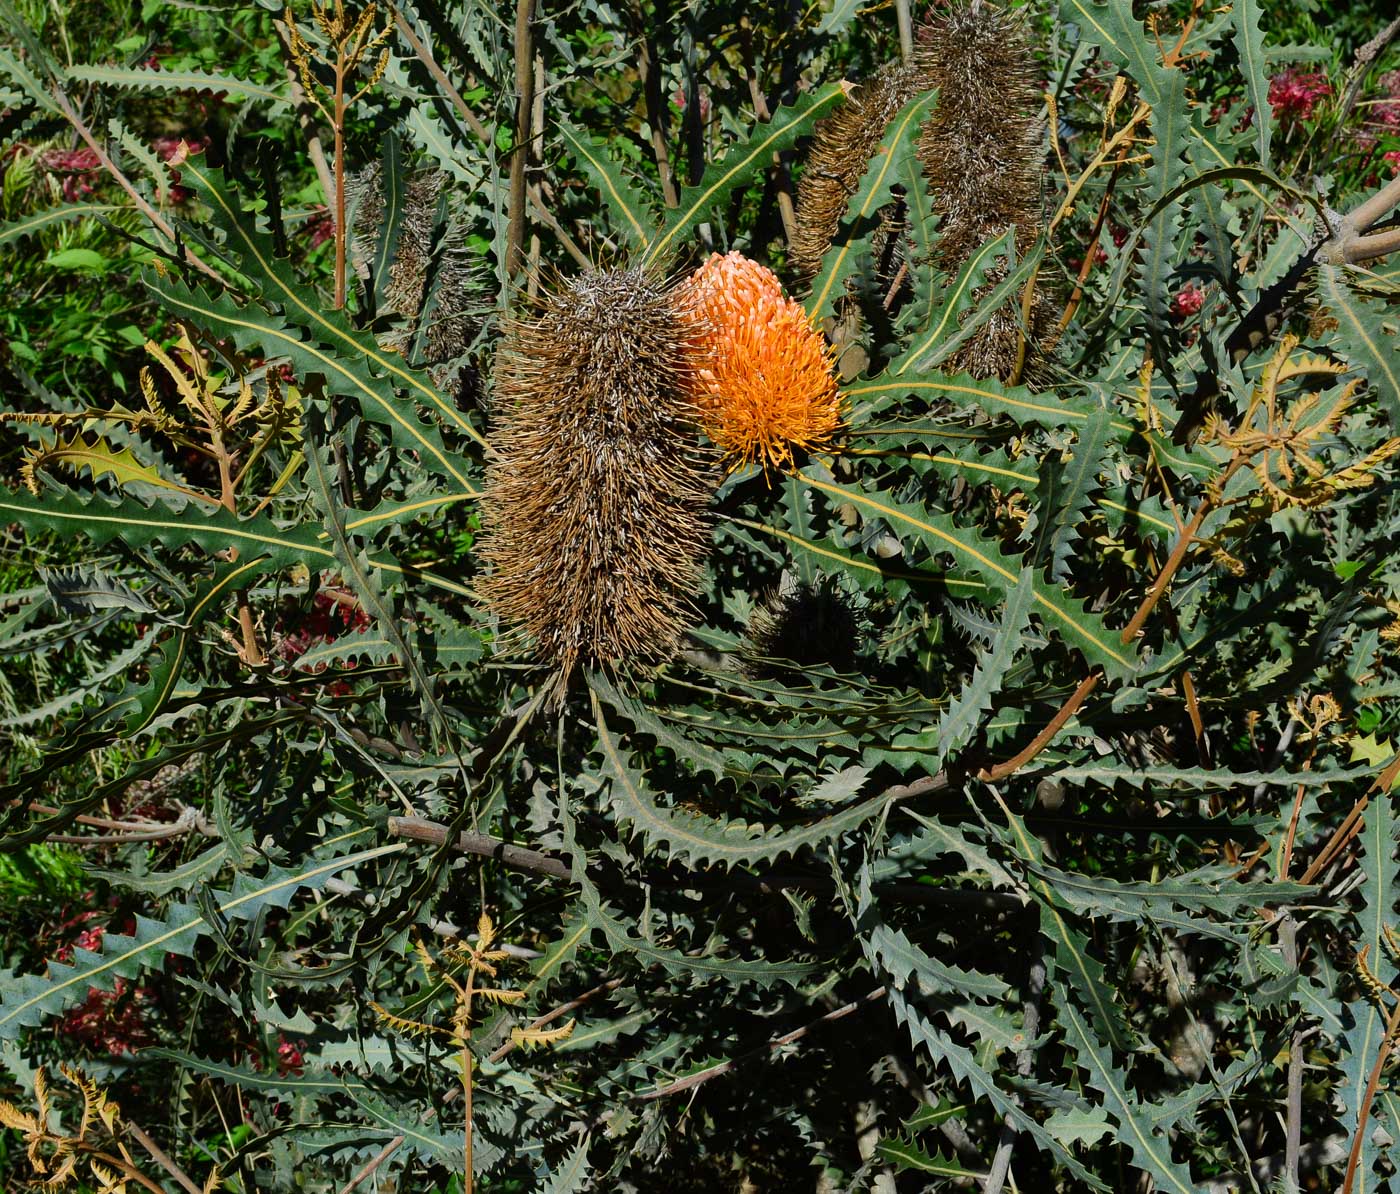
75	166
1382	119
112	1021
1393	157
1190	299
333	612
1294	94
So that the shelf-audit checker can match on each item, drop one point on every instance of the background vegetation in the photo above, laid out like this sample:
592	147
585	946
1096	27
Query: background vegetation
1018	813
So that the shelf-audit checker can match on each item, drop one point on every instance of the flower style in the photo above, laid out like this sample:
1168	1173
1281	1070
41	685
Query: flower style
766	379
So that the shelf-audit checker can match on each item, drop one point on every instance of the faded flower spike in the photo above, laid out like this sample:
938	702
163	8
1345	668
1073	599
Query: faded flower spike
766	380
596	496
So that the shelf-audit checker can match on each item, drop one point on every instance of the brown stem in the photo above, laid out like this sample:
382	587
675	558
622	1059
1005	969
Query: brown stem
425	56
786	208
341	232
371	1165
125	1167
656	117
519	857
1392	1026
161	1158
158	221
1042	739
520	150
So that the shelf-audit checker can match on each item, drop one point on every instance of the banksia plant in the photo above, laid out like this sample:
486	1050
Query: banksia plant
595	503
765	381
433	287
803	624
841	151
981	153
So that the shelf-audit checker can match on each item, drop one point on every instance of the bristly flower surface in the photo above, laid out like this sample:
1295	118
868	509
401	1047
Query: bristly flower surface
766	381
596	496
982	152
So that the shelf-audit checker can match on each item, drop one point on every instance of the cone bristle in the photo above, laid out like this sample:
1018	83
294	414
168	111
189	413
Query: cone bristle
595	500
981	153
804	624
841	150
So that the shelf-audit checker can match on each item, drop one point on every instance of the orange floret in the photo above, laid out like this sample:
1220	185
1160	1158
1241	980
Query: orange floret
766	382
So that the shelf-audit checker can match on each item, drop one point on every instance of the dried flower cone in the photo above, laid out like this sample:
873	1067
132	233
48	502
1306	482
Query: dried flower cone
981	152
841	150
596	493
429	254
765	381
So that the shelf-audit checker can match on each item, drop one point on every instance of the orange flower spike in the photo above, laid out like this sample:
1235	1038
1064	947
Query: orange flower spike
767	381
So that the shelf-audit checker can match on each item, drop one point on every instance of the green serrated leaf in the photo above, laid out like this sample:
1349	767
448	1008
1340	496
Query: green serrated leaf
960	718
28	1000
744	159
887	165
1080	628
619	193
177	80
1150	1149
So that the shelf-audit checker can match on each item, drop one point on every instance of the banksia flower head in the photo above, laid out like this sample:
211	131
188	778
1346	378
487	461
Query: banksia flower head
803	625
596	493
765	376
842	147
432	268
981	151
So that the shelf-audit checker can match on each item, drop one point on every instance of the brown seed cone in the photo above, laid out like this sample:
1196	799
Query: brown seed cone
460	305
842	147
596	494
981	152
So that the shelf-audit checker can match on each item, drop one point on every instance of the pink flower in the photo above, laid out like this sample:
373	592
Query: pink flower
1393	157
1294	93
1190	299
76	165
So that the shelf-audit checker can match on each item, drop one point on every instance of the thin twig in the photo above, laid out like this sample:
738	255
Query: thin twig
520	149
690	1081
425	56
906	29
158	221
1363	1114
650	76
519	857
160	1157
374	1163
1365	56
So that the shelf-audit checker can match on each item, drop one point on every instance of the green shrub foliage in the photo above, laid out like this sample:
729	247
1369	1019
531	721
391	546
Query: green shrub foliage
1001	795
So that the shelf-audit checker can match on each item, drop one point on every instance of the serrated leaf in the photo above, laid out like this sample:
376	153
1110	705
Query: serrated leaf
907	1156
32	997
618	192
1362	336
101	460
176	80
37	221
960	718
744	159
699	840
1249	46
1150	1149
1066	493
1014	402
1065	614
887	164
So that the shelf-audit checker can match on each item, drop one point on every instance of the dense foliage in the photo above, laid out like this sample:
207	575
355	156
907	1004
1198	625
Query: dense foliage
479	711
